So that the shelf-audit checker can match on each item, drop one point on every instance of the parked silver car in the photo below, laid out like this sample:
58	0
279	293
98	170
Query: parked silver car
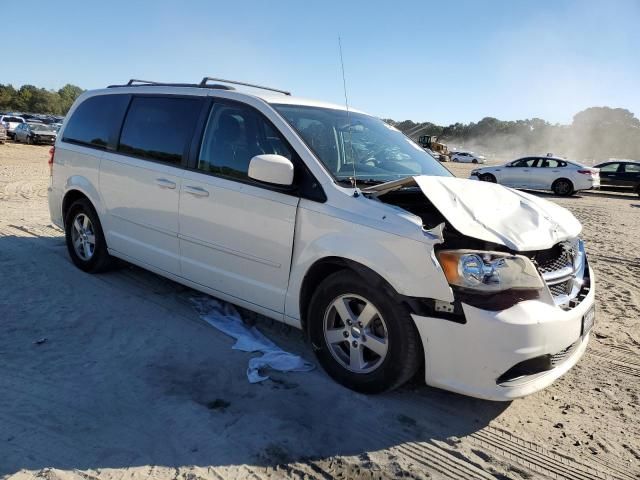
35	133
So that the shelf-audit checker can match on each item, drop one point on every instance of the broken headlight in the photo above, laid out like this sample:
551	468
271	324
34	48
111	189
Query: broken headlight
489	271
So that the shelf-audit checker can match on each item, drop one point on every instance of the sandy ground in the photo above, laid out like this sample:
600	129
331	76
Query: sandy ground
115	376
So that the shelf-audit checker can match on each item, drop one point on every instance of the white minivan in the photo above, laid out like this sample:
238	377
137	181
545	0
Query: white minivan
331	221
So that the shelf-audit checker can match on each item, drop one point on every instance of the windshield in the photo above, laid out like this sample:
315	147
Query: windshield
375	151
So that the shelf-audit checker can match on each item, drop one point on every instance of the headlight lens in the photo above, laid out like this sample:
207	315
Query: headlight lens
489	271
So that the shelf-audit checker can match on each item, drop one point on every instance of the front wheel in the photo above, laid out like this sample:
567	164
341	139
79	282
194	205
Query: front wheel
364	338
85	239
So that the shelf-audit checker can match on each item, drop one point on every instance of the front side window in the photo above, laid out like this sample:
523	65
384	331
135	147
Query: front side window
96	120
159	128
233	136
358	145
524	163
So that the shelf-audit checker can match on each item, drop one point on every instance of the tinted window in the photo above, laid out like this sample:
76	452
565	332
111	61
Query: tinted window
525	162
632	167
611	167
233	136
12	119
96	120
159	128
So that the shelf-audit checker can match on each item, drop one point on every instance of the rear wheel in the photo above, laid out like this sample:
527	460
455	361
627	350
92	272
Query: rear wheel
363	337
638	190
488	177
562	187
29	141
85	239
474	161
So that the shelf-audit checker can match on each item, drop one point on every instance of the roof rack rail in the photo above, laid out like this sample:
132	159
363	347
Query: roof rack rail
134	82
204	81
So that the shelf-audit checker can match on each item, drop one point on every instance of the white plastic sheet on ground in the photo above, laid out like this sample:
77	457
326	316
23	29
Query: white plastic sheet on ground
226	318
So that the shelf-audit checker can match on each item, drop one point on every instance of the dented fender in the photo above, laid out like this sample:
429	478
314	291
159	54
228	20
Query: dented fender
408	265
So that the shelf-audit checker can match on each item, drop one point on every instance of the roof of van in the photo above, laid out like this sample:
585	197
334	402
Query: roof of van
267	96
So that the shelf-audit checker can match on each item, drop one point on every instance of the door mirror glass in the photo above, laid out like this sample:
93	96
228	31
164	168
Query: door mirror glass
274	169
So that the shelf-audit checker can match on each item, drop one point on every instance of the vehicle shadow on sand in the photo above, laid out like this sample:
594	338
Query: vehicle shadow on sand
118	371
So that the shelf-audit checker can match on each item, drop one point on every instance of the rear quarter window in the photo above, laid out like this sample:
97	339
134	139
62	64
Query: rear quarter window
96	121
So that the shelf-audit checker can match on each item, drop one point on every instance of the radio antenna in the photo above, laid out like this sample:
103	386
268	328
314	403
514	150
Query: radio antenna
346	103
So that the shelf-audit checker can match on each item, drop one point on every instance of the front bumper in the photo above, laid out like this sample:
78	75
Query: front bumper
469	358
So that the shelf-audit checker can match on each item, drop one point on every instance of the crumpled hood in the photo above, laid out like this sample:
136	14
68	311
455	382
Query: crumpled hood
491	212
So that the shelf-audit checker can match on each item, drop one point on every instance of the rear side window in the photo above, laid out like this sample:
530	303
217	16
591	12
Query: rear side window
96	120
159	128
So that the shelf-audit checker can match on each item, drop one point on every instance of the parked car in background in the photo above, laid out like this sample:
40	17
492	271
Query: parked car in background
620	175
11	122
3	133
541	173
345	229
467	157
35	133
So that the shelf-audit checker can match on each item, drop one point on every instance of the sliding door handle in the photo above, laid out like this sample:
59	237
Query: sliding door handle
164	183
196	191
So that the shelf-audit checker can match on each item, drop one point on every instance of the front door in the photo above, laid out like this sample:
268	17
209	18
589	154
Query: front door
236	235
611	175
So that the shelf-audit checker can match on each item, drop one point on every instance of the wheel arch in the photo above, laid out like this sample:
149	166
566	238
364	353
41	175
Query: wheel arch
326	266
77	187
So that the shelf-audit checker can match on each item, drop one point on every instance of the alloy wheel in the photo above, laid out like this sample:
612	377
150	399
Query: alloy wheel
356	333
83	237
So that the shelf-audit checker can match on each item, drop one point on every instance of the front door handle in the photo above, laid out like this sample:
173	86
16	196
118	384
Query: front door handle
196	191
164	183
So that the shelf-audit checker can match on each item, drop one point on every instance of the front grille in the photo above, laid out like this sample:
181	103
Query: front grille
557	257
562	288
562	267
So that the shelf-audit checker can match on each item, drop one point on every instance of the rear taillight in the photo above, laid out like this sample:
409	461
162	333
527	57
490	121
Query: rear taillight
52	152
587	172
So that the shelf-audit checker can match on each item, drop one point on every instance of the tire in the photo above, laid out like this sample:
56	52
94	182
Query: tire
638	190
29	141
92	260
488	177
15	139
474	161
562	187
346	352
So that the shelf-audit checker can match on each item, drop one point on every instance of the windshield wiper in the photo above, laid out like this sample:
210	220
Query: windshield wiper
360	181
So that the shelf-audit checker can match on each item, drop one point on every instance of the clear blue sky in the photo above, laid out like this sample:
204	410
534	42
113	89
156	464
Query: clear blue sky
437	61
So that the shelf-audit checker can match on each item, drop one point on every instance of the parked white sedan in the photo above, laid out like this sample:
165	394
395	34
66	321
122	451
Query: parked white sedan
541	173
467	157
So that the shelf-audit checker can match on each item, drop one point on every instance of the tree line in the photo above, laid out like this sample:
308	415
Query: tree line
596	133
31	99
